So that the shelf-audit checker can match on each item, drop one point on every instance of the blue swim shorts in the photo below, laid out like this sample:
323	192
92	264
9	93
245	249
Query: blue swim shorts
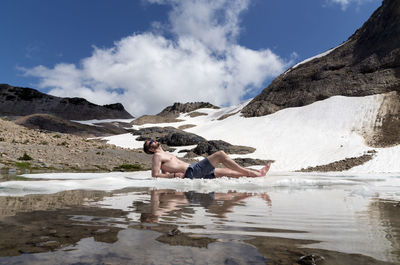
200	170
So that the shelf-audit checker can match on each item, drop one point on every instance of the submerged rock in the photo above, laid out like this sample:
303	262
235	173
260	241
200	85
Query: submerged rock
174	232
311	259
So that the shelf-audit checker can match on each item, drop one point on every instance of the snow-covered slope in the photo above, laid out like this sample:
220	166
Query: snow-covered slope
317	134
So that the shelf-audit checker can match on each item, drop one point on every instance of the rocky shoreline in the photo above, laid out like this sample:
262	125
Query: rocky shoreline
341	165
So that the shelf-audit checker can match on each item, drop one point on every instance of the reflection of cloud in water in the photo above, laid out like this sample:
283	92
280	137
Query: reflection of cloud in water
387	214
341	220
339	211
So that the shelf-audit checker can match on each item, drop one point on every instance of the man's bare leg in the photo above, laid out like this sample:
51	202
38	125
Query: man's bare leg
222	157
226	172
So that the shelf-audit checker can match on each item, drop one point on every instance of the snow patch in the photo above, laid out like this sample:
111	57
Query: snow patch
317	134
57	182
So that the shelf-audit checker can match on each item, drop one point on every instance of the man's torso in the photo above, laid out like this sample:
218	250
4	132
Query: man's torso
170	163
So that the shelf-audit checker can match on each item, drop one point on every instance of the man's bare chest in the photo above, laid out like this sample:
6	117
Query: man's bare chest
168	159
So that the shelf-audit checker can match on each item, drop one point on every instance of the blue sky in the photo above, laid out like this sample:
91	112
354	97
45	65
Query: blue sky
148	54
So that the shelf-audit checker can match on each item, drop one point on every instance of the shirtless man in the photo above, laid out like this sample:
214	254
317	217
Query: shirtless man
165	202
165	165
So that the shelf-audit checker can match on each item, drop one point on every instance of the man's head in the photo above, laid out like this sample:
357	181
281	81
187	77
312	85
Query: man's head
148	218
150	146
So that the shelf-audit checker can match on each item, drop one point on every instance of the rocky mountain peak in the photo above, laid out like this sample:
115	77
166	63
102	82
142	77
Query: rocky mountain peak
380	35
177	108
367	63
22	101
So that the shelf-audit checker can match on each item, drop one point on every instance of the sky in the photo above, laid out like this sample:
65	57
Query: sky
148	54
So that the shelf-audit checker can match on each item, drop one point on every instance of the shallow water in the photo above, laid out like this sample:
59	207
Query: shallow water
125	218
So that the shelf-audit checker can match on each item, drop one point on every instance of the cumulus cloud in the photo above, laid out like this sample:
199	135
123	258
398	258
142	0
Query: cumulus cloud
345	3
148	71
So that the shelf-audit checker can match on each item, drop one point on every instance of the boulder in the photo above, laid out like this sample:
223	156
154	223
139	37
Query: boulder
168	135
210	147
181	139
311	259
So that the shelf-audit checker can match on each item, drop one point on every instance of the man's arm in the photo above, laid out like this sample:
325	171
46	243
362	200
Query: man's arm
156	169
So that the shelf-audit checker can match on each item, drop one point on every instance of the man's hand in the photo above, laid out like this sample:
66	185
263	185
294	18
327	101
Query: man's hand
179	175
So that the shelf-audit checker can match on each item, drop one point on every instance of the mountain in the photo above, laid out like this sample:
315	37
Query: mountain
171	113
22	101
367	63
50	123
178	108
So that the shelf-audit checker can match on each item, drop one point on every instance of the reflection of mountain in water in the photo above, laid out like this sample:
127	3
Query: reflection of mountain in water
216	228
10	206
43	231
389	217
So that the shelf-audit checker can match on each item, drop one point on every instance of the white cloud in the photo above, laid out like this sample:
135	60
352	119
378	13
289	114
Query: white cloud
345	3
202	63
213	22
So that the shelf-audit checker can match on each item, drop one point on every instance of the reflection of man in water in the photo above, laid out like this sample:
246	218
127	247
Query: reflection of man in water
165	165
163	202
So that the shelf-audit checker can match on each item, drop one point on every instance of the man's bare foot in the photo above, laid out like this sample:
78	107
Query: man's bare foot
262	172
265	169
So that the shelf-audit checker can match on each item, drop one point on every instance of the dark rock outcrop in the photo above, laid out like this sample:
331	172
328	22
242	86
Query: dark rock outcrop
152	133
168	135
246	162
52	123
181	138
22	101
367	63
210	147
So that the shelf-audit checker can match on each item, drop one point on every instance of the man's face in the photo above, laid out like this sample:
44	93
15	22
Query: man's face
153	145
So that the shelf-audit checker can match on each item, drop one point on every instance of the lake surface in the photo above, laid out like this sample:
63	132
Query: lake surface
130	218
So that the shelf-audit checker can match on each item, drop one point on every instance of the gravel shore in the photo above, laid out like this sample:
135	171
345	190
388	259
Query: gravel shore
30	150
